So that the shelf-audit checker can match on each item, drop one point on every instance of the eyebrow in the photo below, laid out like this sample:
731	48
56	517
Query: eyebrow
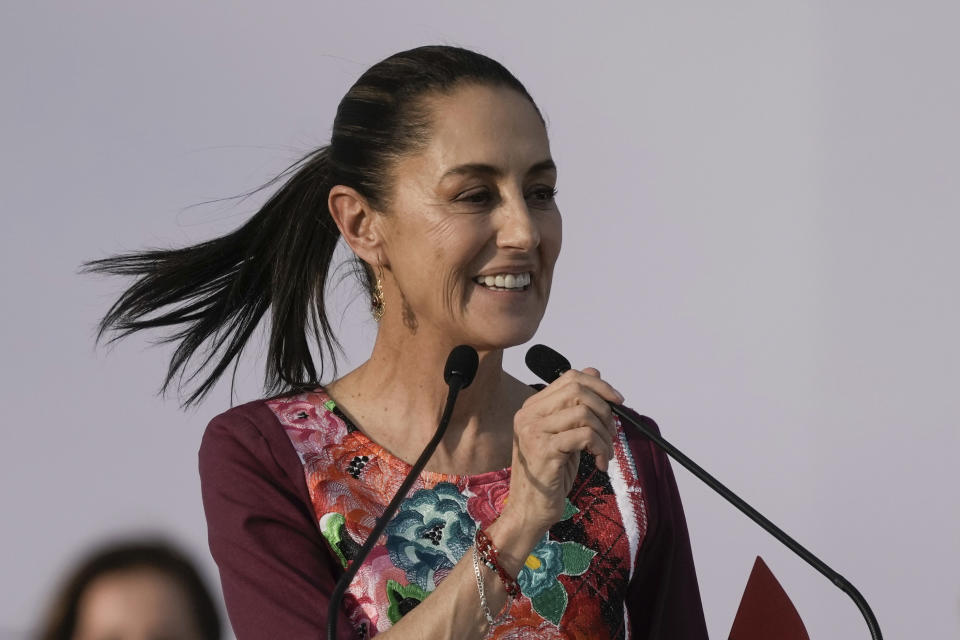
490	170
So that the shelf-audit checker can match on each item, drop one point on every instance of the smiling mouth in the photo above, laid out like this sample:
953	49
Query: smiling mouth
505	281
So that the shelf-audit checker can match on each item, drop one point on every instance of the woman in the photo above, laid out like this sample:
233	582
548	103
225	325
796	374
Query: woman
439	178
131	590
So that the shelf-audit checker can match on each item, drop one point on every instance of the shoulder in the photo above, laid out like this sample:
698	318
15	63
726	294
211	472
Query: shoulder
650	466
249	441
261	526
252	426
647	455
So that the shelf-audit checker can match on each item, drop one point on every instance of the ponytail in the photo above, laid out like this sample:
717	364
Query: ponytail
217	292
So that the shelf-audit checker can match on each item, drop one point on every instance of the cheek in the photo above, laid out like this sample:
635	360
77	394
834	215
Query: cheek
446	251
447	248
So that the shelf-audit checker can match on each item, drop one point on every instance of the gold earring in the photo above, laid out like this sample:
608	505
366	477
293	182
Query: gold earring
377	302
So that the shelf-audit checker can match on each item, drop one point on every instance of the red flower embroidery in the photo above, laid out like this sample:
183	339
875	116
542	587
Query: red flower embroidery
486	503
358	497
525	623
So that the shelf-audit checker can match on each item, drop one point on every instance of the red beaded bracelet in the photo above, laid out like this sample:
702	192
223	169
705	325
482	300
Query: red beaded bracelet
488	555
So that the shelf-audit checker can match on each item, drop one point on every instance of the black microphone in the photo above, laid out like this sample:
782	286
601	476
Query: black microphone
458	373
549	365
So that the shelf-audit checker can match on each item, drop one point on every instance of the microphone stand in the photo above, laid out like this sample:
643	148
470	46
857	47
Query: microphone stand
548	365
842	583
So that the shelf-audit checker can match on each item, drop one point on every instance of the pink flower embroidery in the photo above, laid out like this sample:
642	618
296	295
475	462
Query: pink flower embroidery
486	503
370	603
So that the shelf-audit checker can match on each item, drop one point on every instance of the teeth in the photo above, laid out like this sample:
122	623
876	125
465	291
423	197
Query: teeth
505	280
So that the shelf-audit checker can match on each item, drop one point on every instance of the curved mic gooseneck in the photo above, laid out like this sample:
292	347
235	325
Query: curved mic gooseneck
458	373
549	365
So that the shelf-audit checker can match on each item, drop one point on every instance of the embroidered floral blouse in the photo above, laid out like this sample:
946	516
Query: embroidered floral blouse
292	488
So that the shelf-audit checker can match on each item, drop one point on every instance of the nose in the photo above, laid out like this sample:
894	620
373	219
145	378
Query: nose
517	228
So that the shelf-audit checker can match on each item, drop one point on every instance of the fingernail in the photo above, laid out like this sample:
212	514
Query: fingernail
620	395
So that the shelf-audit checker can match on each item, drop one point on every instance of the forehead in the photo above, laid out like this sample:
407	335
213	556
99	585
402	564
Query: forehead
485	125
141	599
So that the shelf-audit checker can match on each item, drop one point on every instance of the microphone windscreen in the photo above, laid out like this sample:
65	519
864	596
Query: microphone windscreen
461	363
546	363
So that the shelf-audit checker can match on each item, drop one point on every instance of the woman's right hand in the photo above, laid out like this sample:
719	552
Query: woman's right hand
570	415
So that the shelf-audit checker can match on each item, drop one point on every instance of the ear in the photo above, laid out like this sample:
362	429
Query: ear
357	222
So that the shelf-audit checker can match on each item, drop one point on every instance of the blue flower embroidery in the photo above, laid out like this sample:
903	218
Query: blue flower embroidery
541	569
549	559
431	531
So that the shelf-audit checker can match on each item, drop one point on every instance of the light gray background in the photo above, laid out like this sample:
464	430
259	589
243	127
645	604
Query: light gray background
760	205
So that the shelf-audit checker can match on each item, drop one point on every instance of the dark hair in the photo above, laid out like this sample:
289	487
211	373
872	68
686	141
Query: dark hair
157	555
215	293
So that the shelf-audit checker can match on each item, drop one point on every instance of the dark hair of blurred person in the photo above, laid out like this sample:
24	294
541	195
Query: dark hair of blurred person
132	590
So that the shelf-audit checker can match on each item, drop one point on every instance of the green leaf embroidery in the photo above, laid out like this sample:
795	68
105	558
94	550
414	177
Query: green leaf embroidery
576	558
333	526
568	510
551	602
403	599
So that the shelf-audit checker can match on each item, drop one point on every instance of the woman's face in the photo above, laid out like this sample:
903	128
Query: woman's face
135	604
473	231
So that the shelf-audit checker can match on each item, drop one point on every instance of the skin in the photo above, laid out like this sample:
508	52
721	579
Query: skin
135	604
477	200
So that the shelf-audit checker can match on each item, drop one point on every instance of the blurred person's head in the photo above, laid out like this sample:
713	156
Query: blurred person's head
136	590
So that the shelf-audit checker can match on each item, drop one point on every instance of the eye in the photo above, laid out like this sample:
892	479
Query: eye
476	197
542	195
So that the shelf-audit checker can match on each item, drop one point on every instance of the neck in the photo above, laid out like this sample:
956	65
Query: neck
397	398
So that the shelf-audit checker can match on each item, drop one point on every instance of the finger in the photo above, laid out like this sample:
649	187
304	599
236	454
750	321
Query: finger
583	439
599	407
599	386
577	382
578	420
572	418
572	394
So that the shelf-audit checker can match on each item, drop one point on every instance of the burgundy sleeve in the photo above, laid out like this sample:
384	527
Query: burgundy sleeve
663	599
276	572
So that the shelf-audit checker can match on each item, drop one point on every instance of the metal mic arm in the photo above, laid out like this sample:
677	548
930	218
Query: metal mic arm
842	583
549	365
